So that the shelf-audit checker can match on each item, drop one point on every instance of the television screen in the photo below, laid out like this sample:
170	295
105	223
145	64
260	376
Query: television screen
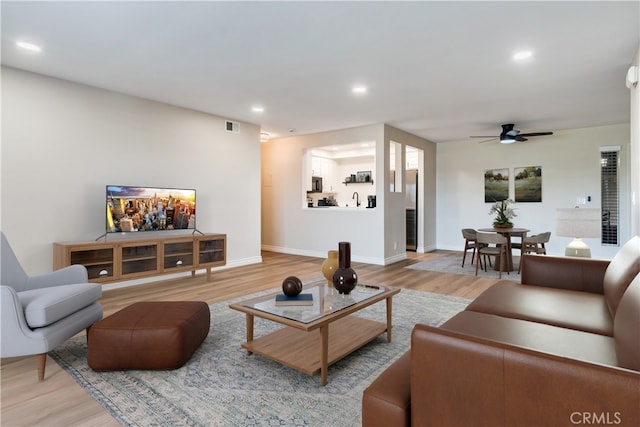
149	209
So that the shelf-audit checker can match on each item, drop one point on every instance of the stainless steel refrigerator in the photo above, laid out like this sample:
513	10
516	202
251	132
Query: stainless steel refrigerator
411	202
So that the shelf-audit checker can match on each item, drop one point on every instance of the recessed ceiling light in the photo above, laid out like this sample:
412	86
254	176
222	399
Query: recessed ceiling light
257	109
522	55
29	46
359	89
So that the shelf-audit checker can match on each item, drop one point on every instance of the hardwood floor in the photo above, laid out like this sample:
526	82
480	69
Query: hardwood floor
59	401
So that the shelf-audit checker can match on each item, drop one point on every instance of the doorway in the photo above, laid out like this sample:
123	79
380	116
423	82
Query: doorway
411	207
413	180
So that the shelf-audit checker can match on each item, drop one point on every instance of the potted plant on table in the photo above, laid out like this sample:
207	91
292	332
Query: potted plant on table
504	213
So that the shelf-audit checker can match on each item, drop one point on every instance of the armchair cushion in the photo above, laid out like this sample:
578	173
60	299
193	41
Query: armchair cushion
45	306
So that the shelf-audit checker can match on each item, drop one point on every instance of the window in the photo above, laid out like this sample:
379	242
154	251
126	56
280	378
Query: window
610	205
395	167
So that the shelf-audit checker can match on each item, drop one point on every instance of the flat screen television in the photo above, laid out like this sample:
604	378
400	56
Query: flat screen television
137	209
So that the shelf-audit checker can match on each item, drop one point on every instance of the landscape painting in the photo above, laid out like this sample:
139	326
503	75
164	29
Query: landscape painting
528	184
496	185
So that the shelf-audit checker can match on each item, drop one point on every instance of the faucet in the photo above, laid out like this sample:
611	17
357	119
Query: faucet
357	197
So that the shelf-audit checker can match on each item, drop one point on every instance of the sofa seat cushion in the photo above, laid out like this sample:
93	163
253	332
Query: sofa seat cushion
590	347
45	306
582	311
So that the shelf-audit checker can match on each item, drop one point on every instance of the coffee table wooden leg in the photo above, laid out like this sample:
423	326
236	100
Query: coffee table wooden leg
389	309
249	330
324	342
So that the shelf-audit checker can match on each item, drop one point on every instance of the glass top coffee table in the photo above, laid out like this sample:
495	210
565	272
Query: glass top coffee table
305	343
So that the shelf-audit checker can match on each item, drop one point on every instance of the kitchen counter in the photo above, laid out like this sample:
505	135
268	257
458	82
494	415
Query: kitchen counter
341	208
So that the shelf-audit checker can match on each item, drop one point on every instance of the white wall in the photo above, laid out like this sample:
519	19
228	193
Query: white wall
635	151
570	163
395	211
346	167
289	227
377	235
63	142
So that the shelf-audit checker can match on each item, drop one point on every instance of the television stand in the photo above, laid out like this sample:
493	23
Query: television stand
137	258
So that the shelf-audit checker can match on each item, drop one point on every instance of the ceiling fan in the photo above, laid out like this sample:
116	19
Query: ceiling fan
509	135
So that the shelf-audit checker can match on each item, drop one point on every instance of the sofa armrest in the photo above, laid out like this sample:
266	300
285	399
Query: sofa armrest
576	274
460	380
387	402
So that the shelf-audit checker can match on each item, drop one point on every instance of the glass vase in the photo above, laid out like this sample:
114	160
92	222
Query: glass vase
329	266
344	278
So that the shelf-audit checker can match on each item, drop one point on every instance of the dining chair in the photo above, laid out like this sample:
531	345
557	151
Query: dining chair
484	240
518	245
534	244
469	235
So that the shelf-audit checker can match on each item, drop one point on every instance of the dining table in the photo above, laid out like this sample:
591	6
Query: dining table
506	232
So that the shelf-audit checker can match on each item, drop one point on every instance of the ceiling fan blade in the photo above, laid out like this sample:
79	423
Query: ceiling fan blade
536	134
488	140
484	136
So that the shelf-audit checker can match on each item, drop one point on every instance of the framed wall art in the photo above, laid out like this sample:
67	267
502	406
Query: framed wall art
363	176
528	184
496	185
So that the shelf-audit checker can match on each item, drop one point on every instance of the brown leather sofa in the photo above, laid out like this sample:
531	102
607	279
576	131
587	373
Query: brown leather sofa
561	348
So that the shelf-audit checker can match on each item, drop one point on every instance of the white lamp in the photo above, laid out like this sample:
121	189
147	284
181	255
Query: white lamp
578	223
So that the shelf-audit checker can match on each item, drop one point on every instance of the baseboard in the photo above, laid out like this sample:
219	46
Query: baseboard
185	274
395	258
323	255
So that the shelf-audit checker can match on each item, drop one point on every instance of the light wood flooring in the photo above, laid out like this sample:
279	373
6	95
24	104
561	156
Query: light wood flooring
59	401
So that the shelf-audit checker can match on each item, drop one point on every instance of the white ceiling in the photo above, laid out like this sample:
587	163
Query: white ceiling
440	70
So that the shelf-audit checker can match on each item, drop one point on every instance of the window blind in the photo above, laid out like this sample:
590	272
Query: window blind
610	195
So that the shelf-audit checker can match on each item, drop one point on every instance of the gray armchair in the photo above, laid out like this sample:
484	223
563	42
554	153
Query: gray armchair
40	312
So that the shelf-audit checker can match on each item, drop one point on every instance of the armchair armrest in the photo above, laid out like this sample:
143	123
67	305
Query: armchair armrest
460	380
14	326
576	274
64	276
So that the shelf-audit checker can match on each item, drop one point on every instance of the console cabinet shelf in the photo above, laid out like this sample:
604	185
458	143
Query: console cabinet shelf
132	259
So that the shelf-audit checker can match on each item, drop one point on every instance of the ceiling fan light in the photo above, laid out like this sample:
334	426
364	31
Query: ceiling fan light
507	140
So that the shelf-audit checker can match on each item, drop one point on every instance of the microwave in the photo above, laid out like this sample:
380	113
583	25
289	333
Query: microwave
316	184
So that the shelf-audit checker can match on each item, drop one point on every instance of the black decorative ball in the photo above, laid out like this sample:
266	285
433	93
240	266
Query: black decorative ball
291	286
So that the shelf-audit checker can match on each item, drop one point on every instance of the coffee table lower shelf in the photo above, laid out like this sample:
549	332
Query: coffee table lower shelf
302	350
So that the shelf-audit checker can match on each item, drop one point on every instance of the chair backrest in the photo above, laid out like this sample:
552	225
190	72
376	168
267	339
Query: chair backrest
491	238
469	233
11	272
539	238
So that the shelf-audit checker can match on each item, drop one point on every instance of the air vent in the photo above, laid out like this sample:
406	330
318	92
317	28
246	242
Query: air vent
232	126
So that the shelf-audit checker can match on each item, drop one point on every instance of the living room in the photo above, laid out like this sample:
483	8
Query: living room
65	137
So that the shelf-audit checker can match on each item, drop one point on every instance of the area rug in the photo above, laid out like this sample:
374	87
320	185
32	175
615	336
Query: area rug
222	385
452	263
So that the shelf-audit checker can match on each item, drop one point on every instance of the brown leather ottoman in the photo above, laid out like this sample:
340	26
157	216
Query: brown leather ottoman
148	335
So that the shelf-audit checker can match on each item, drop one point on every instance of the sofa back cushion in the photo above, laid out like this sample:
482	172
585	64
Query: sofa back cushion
624	266
626	327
